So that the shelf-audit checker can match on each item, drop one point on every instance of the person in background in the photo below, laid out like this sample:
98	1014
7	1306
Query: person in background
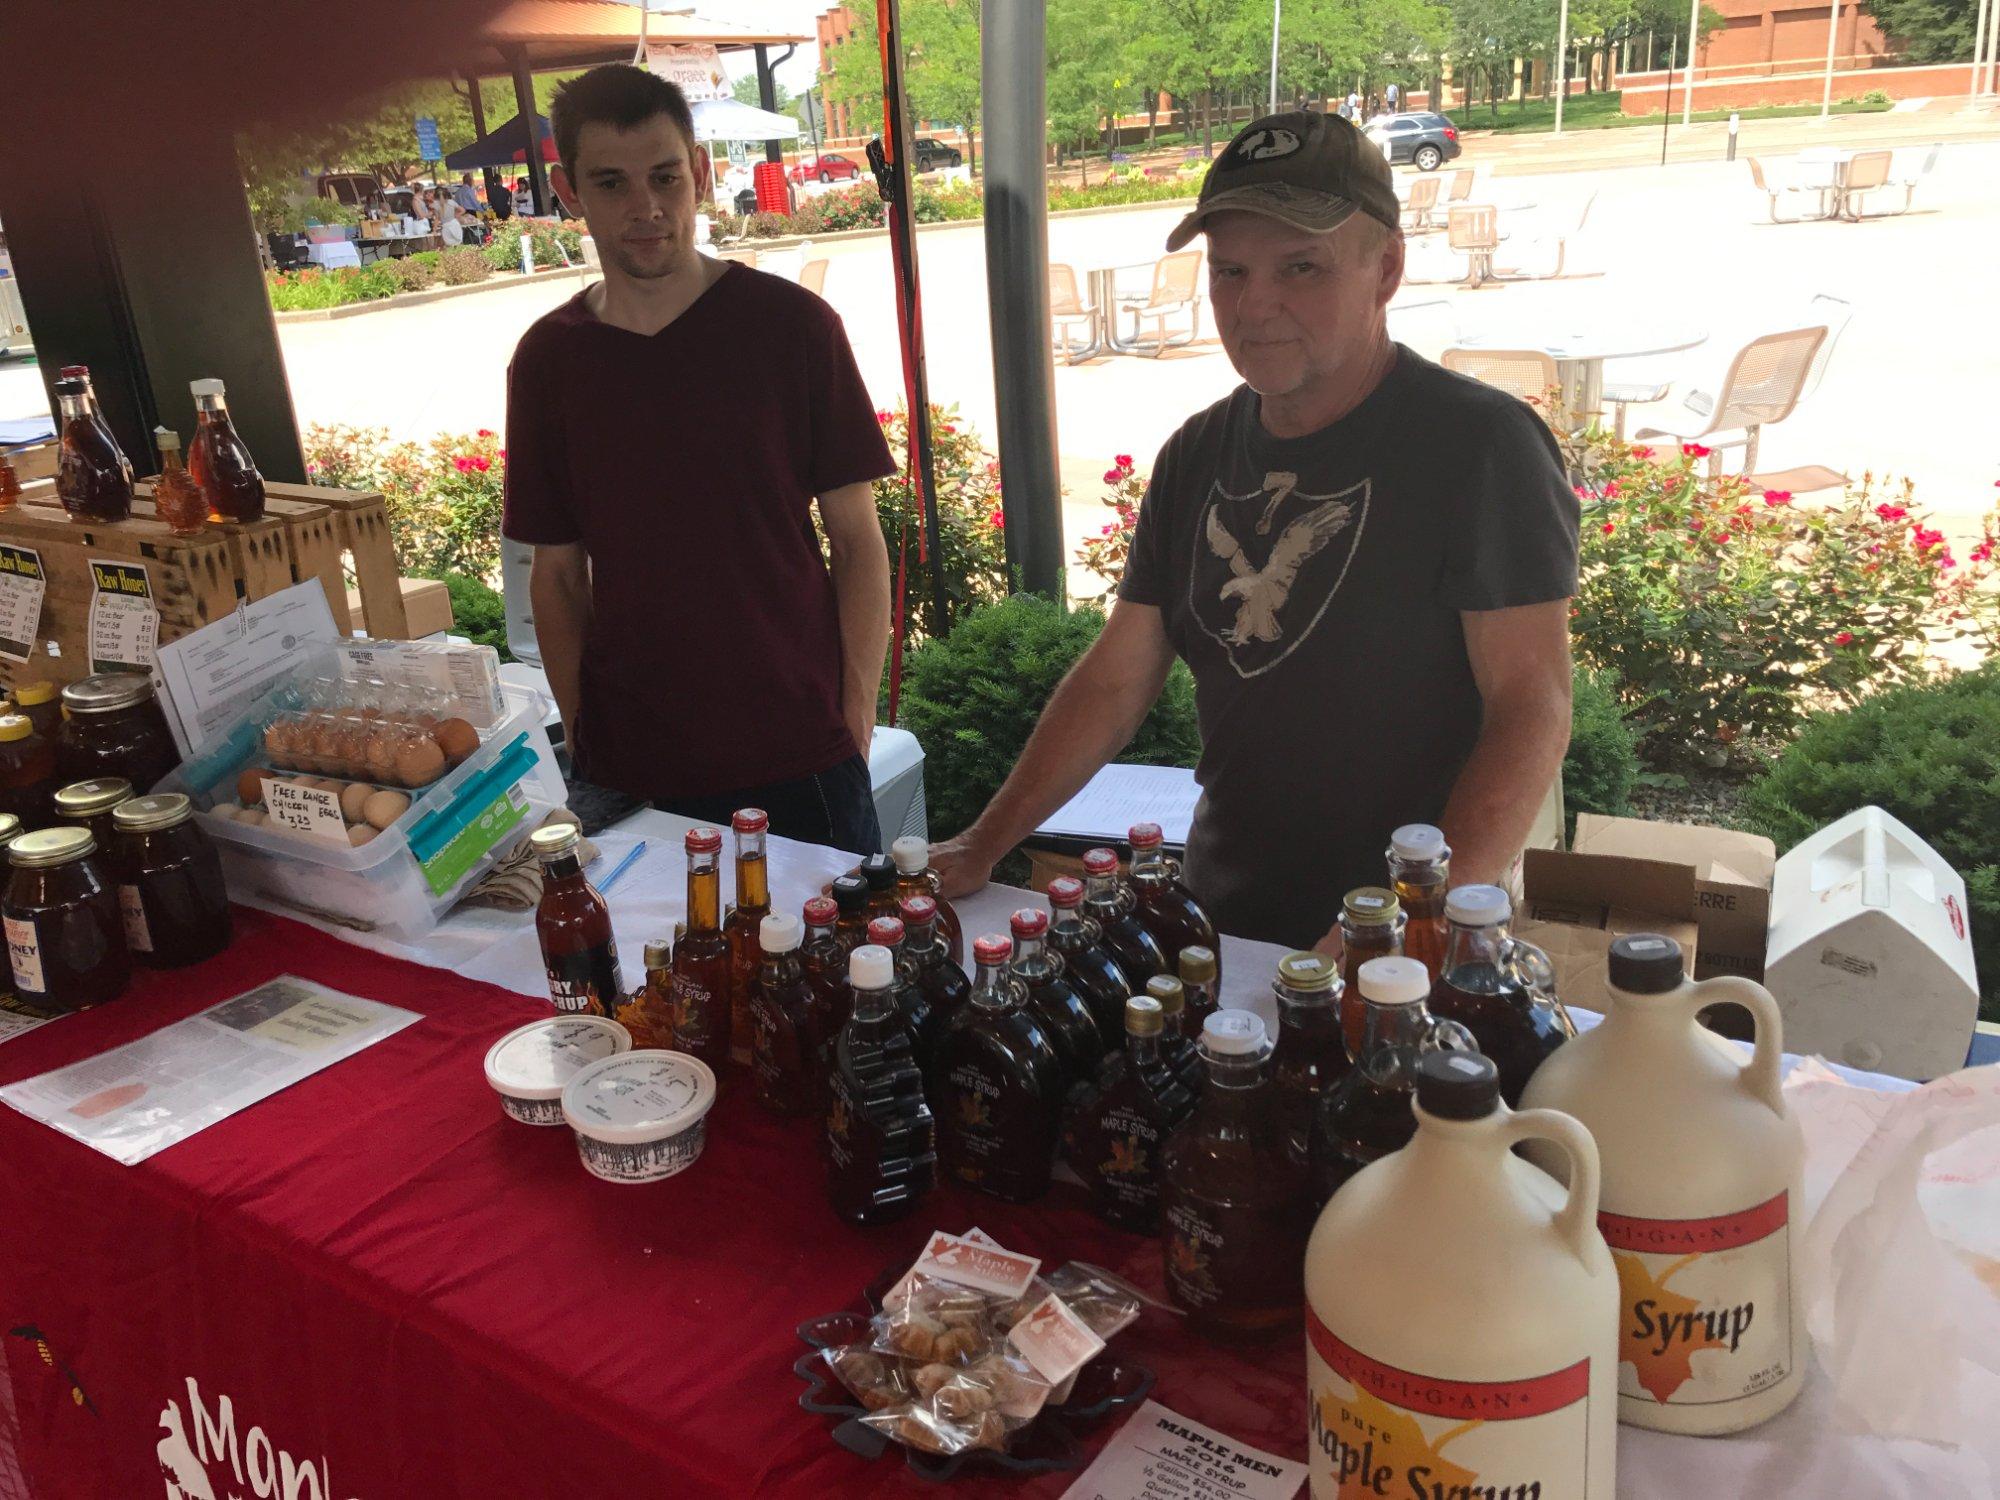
499	197
524	200
466	196
671	432
1354	106
1395	97
450	227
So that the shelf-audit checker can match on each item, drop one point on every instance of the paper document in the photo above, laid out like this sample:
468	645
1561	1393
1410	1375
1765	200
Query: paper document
18	1016
142	1097
1119	796
1161	1455
214	674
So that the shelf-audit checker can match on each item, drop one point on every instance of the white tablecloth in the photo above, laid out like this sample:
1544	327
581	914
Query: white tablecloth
332	253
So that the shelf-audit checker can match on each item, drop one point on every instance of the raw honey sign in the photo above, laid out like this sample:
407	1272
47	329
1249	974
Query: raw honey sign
21	588
124	625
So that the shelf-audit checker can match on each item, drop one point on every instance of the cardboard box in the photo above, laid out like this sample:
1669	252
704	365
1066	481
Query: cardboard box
1573	905
1732	881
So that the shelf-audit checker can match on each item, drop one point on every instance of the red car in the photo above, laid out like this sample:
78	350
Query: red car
825	169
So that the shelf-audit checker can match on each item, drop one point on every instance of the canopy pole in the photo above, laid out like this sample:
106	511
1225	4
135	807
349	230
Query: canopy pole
524	103
767	97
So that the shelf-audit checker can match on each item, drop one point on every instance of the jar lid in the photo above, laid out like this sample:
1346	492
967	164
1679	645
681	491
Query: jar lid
992	949
780	932
206	387
166	440
911	854
1393	981
1417	842
1145	836
150	814
1478	905
634	1098
886	932
552	840
879	871
14	727
1645	963
1143	1017
1196	963
28	694
86	799
821	911
1457	1085
1372	906
1233	1033
918	909
1099	862
104	692
535	1061
1307	971
850	893
1065	891
51	846
9	826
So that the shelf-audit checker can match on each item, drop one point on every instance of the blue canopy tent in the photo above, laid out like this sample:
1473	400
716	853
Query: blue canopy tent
502	146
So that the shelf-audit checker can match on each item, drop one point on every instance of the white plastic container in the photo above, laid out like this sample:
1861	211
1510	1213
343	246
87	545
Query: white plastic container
1462	1310
640	1116
529	1066
1702	1202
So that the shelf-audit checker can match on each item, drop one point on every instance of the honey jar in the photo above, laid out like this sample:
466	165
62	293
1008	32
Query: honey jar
169	877
65	939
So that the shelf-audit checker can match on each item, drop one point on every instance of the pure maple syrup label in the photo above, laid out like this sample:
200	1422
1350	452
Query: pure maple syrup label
1706	1304
1128	1175
1376	1430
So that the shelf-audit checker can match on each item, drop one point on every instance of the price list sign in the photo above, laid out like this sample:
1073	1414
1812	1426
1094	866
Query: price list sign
22	585
124	625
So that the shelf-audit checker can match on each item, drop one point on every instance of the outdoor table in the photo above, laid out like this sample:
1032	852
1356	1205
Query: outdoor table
1836	159
1103	282
332	253
1581	350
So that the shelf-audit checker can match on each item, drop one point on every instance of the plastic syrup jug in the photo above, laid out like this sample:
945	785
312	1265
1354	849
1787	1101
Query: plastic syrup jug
1462	1311
1701	1197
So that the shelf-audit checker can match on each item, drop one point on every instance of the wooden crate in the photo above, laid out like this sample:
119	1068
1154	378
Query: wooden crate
361	524
295	540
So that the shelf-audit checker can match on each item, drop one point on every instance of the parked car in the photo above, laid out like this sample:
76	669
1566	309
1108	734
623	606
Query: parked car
827	168
1426	141
929	155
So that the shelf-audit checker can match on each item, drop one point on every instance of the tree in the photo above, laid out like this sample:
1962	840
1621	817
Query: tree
1091	81
1207	45
1931	30
746	92
853	72
943	71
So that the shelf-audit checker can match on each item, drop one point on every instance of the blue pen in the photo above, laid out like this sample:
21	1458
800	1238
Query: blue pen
622	866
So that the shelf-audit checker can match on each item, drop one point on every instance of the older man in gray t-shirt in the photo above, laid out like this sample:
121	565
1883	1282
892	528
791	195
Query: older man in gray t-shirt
1365	560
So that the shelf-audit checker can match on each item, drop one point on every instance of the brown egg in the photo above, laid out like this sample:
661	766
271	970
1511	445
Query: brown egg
325	743
381	754
360	834
419	762
281	742
383	808
456	738
353	798
250	786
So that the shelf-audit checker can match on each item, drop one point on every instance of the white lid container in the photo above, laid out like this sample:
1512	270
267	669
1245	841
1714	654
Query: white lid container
529	1066
639	1116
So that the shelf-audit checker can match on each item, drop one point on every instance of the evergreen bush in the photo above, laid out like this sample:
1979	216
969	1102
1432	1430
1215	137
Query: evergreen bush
1603	758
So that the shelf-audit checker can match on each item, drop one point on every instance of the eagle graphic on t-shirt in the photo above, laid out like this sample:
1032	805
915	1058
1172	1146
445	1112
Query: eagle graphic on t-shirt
1260	608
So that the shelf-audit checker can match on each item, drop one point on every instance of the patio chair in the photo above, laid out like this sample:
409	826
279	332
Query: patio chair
1910	170
1867	172
1831	313
1529	374
1555	242
1066	306
1800	481
1822	191
1473	230
1461	185
1176	288
812	276
1423	199
1763	386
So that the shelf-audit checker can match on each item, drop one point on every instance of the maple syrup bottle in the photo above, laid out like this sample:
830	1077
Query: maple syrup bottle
1124	1119
941	981
93	475
914	878
826	964
177	499
878	873
219	461
701	956
1199	973
1420	872
1311	1055
753	904
1087	964
1366	1115
649	1014
1110	905
1235	1207
1498	988
911	1002
1177	1050
785	1046
1057	1008
850	898
1166	908
1371	926
997	1086
881	1153
579	953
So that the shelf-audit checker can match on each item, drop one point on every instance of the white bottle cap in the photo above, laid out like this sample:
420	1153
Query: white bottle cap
780	932
1233	1033
1418	841
871	967
912	855
1392	981
1478	905
210	387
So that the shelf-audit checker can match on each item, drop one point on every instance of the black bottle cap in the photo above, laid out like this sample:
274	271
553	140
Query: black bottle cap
1458	1085
879	871
1645	963
69	385
850	893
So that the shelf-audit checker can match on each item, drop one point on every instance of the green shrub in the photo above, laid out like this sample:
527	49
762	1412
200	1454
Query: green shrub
412	274
972	541
503	251
423	258
462	266
478	612
1603	758
1928	755
972	698
762	226
1125	190
295	291
444	497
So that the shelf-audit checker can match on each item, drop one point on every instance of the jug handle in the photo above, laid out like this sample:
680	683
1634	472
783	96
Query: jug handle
1577	1220
1762	1075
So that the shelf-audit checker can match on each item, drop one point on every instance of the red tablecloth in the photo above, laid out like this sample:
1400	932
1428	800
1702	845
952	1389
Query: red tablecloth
384	1288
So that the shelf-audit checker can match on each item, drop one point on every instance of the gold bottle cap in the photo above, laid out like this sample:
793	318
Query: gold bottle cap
151	814
28	694
1143	1016
1372	906
1197	964
1307	971
14	727
659	954
86	799
1168	992
9	826
553	840
50	846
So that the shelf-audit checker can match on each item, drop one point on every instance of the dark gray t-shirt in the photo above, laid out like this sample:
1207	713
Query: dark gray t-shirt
1314	586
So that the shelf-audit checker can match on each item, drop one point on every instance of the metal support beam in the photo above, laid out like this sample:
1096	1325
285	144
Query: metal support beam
767	96
1013	57
524	103
477	102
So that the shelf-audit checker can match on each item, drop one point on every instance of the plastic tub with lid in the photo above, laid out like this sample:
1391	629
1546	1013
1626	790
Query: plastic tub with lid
640	1116
529	1066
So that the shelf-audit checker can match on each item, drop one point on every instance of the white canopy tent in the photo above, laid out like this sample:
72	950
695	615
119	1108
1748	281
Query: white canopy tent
733	120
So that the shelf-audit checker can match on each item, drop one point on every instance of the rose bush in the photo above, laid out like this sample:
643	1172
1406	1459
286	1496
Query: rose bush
1103	555
444	496
971	530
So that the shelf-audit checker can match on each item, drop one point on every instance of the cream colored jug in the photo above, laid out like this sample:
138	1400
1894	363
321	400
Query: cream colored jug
1461	1311
1701	1205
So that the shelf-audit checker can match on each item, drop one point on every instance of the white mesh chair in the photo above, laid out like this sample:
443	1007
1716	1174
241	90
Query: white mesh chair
1867	172
1910	169
1473	230
1422	201
1763	386
1527	373
1776	190
1829	312
1066	306
1550	247
812	276
1176	289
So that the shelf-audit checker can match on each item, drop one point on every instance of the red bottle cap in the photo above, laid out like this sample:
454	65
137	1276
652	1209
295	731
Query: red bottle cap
1029	922
1065	891
704	841
1146	836
886	931
1100	862
992	949
918	909
750	820
822	911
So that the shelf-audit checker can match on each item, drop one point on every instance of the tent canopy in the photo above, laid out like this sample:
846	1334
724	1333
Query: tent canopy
503	145
733	120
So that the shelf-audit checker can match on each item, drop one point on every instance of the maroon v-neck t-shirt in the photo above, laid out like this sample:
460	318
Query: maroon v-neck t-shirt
686	463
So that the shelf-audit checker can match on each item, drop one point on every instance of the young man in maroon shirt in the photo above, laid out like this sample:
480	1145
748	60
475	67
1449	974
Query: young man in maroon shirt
668	433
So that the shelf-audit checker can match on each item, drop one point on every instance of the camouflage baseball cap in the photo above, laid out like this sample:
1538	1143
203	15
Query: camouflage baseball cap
1309	170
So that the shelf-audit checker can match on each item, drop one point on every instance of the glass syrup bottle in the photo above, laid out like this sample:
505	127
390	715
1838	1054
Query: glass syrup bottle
826	965
1199	974
10	482
785	1046
1088	965
1057	1008
93	476
880	1139
1367	1114
177	499
911	1002
850	899
1235	1207
932	970
219	461
649	1014
878	873
579	954
914	878
1180	1053
1311	1054
1420	872
743	925
1166	908
1108	903
1123	1120
1498	988
1371	926
701	956
997	1086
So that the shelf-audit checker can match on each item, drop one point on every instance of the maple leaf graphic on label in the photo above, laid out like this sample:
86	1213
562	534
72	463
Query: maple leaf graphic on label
1660	1373
1398	1440
972	1111
1126	1160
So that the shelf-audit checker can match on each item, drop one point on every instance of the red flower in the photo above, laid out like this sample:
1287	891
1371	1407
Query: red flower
1743	509
1926	540
1642	453
1845	638
1891	512
1107	530
1982	552
1581	492
1695	526
480	462
1607	528
1777	497
945	429
1124	461
884	418
484	432
461	463
998	519
1694	450
1112	476
1611	489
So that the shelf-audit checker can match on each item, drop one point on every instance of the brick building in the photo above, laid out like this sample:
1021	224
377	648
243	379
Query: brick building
836	30
1783	36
